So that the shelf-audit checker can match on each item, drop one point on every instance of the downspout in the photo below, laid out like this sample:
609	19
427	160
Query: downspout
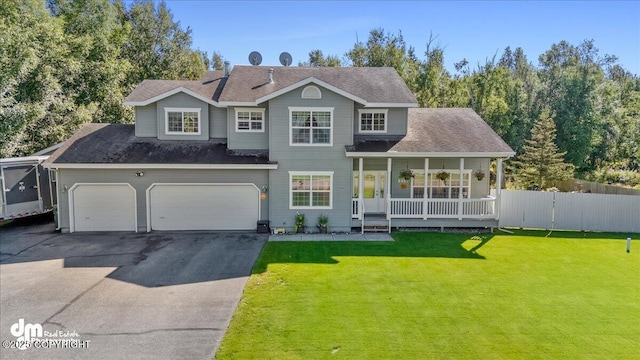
58	227
40	203
4	195
388	197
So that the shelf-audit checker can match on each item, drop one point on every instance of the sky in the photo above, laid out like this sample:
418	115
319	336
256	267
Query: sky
473	30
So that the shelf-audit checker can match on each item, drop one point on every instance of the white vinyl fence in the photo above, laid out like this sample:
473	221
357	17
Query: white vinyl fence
570	211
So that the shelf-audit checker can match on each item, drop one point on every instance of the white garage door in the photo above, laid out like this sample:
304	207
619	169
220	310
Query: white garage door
103	207
204	207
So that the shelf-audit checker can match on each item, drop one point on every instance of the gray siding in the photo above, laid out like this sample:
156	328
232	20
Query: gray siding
310	158
396	121
146	121
68	177
246	140
181	100
217	123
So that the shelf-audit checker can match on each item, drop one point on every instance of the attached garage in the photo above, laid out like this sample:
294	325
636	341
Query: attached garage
203	207
102	207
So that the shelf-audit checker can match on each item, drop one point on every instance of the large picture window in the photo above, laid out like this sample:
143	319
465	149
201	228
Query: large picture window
250	120
311	126
374	121
310	190
182	121
440	189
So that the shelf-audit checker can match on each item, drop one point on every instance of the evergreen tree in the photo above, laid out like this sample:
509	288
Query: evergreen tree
541	164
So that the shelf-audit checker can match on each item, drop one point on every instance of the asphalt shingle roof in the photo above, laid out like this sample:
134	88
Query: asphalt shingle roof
209	87
447	130
249	83
117	144
373	84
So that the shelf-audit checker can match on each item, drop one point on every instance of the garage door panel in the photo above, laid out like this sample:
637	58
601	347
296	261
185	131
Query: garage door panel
204	207
104	208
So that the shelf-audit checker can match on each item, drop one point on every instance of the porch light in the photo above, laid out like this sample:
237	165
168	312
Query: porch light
263	193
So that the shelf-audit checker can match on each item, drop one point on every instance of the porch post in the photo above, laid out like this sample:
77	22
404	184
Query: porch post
388	197
498	187
360	190
460	187
426	188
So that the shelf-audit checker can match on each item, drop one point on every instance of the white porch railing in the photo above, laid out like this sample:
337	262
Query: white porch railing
405	208
442	208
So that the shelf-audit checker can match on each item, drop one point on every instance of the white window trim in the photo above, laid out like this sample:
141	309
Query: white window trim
311	92
182	110
311	173
428	186
373	111
311	109
250	110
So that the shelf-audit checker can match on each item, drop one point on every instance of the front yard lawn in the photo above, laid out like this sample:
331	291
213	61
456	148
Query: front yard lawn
446	296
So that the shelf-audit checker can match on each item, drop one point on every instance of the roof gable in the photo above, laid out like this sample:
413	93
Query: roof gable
249	85
367	86
207	89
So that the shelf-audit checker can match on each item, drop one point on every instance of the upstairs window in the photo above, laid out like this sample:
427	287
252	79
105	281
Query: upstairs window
373	121
311	126
179	121
250	120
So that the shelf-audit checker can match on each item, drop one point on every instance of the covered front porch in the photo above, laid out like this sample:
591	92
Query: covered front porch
424	192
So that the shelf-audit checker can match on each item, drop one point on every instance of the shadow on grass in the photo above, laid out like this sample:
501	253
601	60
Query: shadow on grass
571	234
433	245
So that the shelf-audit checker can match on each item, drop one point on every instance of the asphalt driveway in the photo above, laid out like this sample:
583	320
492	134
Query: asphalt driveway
161	295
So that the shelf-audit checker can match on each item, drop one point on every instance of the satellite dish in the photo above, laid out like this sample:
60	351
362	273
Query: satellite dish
285	59
255	58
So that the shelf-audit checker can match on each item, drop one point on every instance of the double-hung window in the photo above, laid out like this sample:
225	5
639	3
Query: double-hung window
182	121
311	126
373	121
440	189
310	190
249	120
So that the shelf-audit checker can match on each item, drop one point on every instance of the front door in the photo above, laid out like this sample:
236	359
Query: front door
374	191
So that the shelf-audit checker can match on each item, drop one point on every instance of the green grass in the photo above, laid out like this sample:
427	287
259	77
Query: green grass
568	295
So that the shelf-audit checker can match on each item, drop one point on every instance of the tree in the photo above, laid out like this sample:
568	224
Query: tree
571	77
35	109
317	59
540	164
64	63
157	47
217	61
381	49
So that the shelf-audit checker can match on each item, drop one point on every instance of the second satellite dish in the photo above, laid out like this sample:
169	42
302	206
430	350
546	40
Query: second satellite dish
285	59
255	58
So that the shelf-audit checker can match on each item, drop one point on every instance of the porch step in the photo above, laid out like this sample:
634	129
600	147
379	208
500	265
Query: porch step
376	228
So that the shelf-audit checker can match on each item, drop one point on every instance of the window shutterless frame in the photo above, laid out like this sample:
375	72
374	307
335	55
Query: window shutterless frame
176	120
438	189
372	120
310	190
250	119
311	126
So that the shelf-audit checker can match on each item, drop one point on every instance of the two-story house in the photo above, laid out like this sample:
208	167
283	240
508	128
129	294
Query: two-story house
265	143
